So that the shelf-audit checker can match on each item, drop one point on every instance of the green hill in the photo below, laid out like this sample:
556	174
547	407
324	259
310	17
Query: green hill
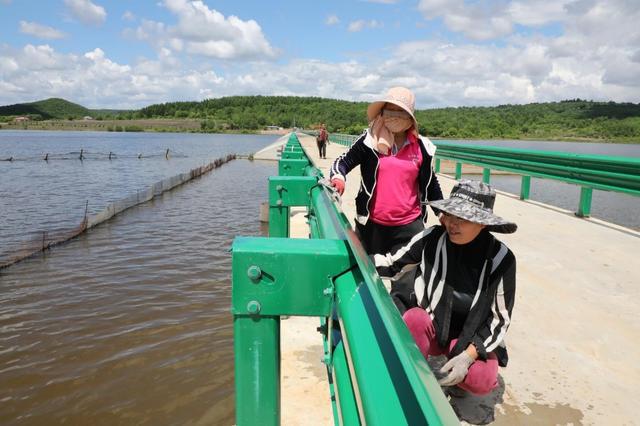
47	109
571	119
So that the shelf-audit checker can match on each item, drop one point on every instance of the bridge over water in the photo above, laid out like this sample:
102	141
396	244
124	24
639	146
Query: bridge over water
573	343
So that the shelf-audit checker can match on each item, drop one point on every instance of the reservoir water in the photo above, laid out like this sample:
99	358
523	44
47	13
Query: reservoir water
130	323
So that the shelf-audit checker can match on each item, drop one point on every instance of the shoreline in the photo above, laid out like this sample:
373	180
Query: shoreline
187	125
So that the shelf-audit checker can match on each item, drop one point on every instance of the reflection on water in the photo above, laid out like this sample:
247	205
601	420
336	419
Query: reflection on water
130	323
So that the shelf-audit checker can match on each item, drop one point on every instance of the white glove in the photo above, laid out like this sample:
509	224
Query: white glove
457	367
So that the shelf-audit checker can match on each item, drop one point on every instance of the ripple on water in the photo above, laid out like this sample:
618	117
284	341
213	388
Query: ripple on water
130	322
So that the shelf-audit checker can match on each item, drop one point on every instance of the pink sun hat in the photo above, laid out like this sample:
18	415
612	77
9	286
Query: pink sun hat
400	96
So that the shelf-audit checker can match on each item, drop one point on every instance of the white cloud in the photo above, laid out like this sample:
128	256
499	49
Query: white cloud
86	12
359	25
481	20
128	16
40	58
40	31
538	12
332	20
206	32
595	56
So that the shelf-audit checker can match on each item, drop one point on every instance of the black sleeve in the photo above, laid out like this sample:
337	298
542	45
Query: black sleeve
349	160
394	265
434	192
492	331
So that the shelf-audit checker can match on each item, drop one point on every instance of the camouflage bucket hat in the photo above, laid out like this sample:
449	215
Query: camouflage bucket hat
473	201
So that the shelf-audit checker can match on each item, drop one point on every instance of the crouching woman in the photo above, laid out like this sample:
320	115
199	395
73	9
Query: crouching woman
465	287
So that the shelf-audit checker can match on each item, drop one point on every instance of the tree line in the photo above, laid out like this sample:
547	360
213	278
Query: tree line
570	119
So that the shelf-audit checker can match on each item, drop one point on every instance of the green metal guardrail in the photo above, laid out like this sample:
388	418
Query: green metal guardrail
607	173
590	172
377	374
339	138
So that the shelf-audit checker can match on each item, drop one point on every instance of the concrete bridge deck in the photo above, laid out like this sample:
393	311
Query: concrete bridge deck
574	343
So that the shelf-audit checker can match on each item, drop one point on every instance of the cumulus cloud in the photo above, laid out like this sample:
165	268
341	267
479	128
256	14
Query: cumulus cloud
206	32
361	24
482	20
537	12
128	16
594	56
40	31
86	12
332	20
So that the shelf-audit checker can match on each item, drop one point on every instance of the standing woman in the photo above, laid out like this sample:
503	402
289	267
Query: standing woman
397	181
322	140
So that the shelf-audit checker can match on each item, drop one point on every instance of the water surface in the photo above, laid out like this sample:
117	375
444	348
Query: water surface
130	323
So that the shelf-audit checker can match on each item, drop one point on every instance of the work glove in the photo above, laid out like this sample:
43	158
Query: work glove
457	367
338	184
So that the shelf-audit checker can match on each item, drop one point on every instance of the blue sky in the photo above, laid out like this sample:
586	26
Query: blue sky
128	54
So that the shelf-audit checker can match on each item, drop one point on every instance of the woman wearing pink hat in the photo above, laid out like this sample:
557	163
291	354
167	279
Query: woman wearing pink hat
397	180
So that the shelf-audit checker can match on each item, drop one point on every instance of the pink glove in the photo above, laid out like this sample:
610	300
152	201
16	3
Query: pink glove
338	184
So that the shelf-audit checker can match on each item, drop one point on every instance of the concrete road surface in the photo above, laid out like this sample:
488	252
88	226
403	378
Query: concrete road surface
574	344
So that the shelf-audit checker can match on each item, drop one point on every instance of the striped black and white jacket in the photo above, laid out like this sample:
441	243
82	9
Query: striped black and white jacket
489	316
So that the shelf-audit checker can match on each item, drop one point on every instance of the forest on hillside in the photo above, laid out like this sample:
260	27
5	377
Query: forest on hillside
570	119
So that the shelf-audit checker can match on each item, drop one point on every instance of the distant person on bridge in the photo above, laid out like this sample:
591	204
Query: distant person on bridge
322	139
465	287
396	168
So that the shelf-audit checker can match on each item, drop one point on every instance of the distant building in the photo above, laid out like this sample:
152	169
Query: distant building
87	117
273	128
21	119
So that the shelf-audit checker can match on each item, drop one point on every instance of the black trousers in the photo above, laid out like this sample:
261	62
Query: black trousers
387	239
322	149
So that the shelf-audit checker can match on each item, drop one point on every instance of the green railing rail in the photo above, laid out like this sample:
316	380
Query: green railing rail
376	373
339	138
602	172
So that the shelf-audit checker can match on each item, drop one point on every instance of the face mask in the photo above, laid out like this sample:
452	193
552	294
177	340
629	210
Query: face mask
397	124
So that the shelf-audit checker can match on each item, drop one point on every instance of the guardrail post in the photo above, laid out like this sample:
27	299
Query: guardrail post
458	170
486	175
584	209
273	277
256	344
278	212
285	192
525	185
437	165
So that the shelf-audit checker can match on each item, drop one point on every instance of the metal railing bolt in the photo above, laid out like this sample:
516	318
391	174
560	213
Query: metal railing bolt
279	188
254	272
327	291
279	202
254	307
